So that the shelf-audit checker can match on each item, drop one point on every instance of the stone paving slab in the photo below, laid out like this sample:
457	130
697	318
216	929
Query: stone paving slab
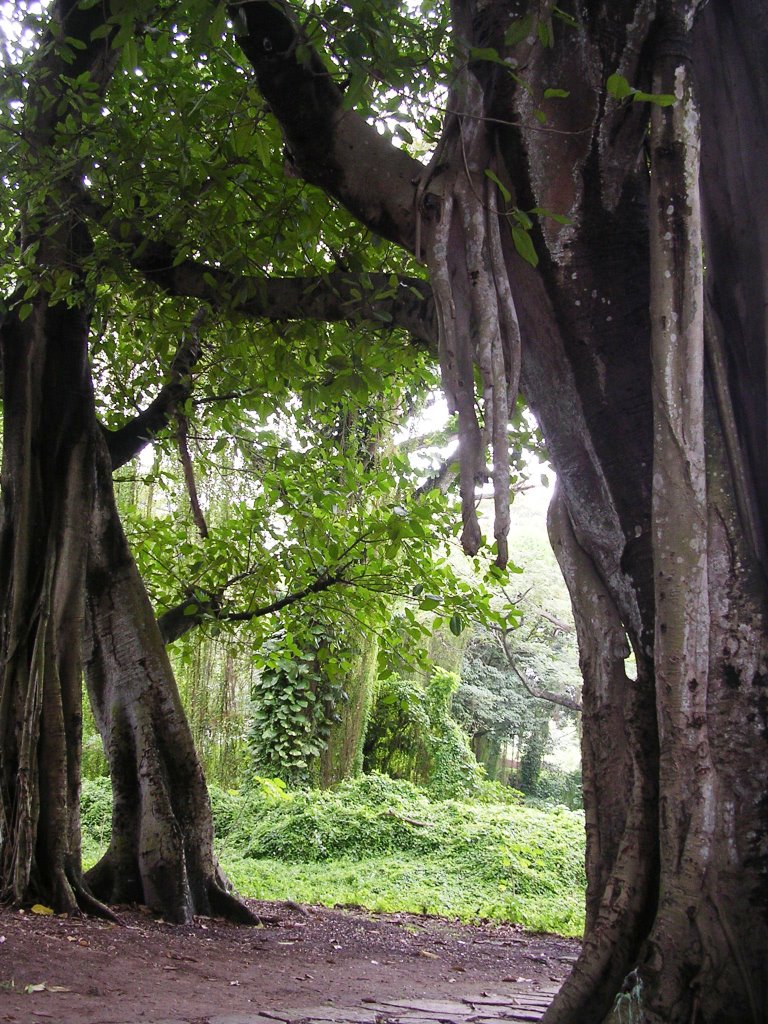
520	1007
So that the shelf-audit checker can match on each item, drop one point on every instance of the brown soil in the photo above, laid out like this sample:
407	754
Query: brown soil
304	963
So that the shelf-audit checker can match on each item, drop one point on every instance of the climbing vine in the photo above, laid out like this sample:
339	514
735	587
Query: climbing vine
412	735
296	698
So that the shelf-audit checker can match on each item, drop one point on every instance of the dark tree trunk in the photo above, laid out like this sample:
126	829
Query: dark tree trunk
619	743
161	850
47	487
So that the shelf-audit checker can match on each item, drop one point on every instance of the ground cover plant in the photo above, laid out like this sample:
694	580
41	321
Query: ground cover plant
386	845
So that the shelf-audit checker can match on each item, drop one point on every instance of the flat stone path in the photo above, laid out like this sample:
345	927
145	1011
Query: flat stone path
522	1006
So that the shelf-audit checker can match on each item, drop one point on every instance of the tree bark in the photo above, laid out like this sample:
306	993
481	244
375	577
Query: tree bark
161	850
47	487
619	744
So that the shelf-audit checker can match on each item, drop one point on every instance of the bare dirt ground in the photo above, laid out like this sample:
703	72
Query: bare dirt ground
303	964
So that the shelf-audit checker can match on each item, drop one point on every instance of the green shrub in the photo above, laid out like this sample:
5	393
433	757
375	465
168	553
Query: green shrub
95	818
555	786
388	845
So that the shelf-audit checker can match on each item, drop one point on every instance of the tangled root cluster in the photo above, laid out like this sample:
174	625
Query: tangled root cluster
477	320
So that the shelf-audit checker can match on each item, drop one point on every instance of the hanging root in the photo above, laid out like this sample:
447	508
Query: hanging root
477	321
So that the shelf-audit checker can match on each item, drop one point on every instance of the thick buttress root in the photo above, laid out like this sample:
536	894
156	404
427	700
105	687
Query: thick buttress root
161	852
213	898
477	320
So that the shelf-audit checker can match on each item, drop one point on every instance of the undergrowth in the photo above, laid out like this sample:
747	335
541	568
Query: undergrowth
385	845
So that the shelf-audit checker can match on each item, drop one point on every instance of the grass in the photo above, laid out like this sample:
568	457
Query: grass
384	845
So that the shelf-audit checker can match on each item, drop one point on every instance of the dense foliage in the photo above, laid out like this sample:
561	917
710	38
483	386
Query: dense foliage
387	845
412	735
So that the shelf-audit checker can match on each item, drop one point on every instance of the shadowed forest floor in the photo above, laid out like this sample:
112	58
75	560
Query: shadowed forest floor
304	963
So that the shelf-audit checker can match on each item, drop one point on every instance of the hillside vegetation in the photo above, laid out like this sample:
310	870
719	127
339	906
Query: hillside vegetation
386	845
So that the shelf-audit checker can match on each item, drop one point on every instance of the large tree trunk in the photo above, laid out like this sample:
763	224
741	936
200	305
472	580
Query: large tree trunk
47	487
47	480
161	849
619	743
649	381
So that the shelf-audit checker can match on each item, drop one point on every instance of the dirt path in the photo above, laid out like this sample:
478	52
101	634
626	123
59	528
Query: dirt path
308	963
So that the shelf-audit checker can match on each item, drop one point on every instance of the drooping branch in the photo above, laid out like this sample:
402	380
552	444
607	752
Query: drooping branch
560	699
477	320
445	204
182	441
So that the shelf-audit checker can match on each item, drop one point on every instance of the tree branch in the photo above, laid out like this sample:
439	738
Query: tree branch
182	440
126	442
175	623
338	296
442	478
331	146
548	695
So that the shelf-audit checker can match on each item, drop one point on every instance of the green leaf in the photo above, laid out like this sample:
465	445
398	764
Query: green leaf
545	33
618	87
485	53
522	219
456	624
518	31
499	184
557	12
524	245
355	44
556	94
661	99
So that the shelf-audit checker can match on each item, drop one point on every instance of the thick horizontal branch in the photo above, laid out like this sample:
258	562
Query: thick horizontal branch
331	146
339	296
176	622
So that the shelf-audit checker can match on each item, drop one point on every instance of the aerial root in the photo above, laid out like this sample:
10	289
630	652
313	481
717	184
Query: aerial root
476	316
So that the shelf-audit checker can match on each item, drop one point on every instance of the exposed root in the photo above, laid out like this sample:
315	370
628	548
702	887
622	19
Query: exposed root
121	881
89	905
224	903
